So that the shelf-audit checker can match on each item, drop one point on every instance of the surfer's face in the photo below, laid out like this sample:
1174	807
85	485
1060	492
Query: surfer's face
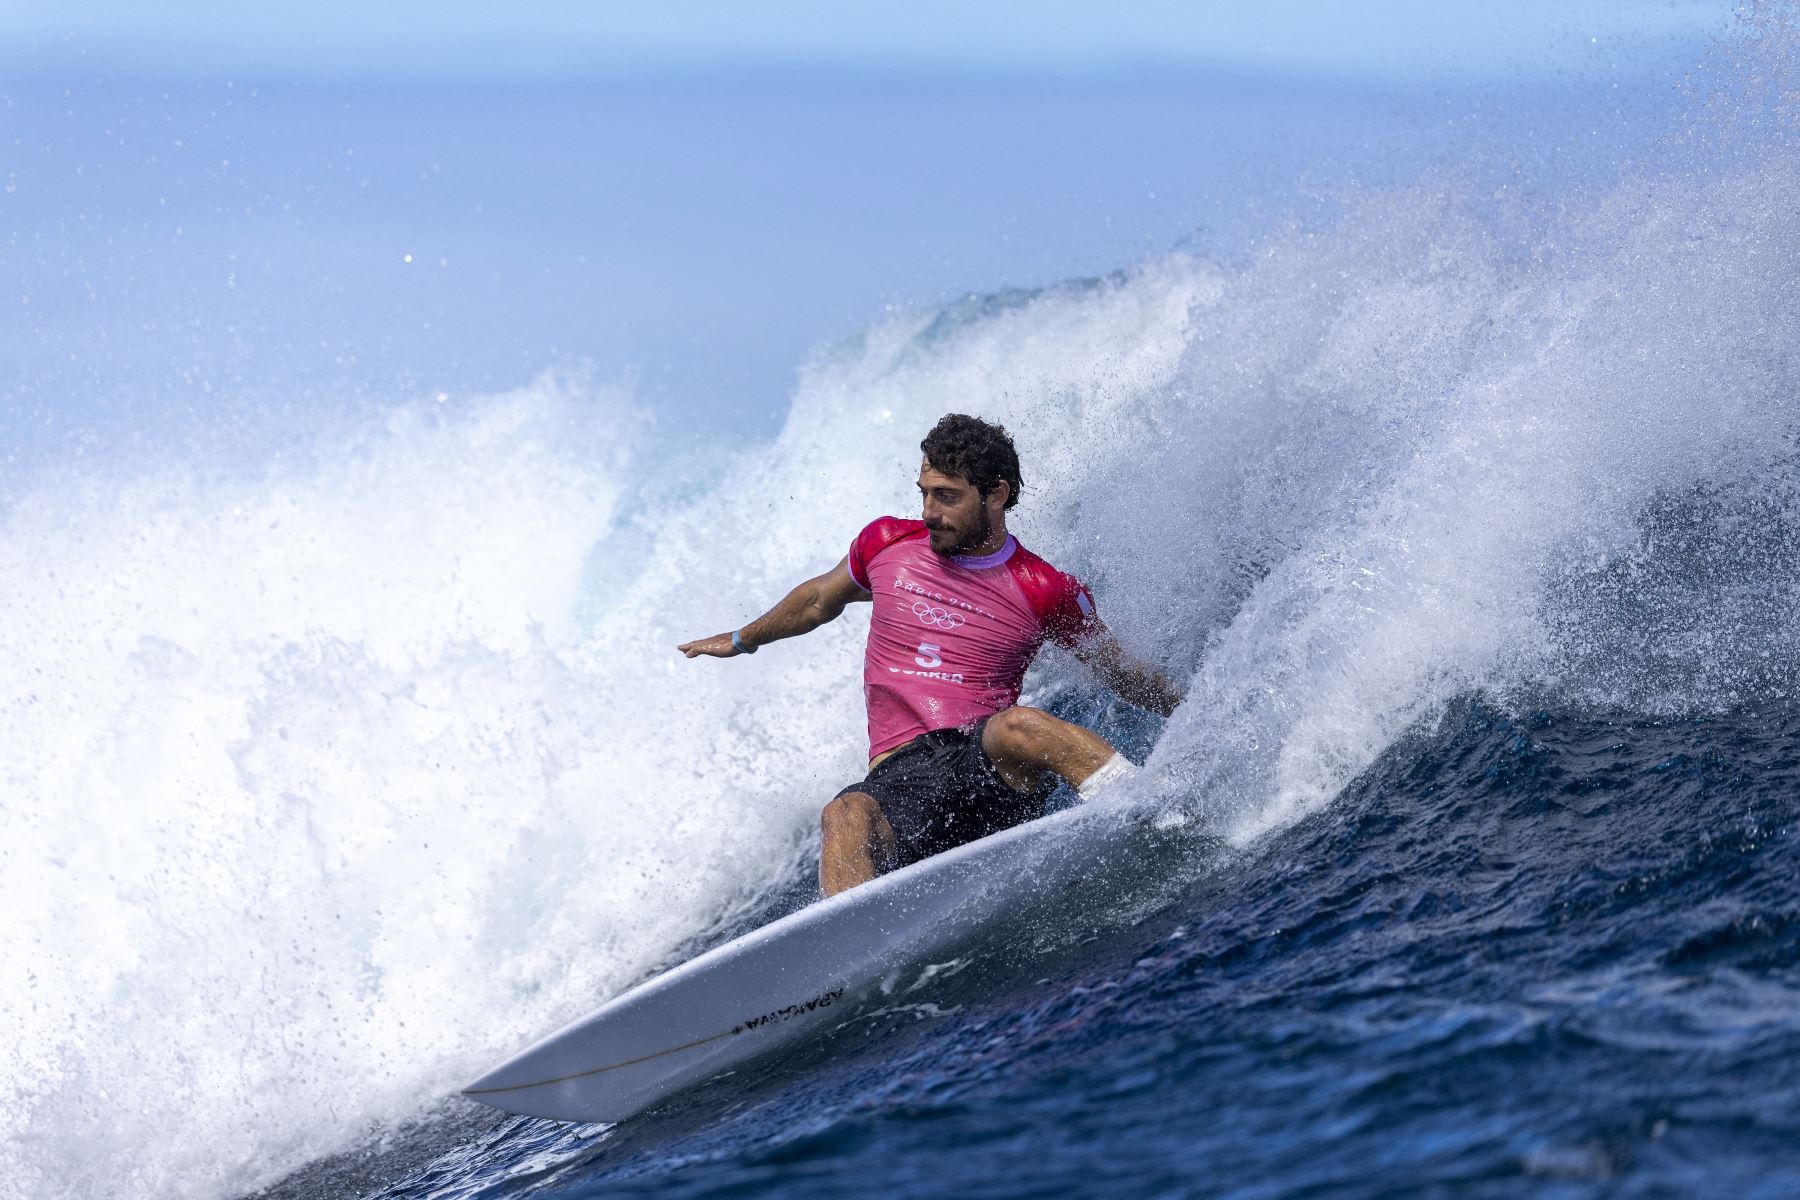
960	521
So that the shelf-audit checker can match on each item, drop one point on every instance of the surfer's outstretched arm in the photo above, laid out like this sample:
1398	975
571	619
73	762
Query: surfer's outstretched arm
1135	681
802	610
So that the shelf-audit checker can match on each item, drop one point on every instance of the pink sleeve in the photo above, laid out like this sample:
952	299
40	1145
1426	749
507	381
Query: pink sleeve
877	536
1074	618
1064	606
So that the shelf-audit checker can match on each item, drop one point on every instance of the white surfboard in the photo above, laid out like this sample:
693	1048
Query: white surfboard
794	975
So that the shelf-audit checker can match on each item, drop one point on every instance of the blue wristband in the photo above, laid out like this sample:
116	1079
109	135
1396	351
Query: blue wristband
737	644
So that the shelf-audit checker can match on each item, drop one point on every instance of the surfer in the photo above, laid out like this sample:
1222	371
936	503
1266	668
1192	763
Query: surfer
961	608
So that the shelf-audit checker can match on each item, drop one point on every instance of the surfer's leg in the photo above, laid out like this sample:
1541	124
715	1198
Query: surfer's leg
1025	742
858	842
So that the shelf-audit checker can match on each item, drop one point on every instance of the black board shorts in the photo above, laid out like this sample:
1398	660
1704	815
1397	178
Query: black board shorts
941	790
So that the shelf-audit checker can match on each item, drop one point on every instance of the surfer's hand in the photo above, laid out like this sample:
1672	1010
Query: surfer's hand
717	646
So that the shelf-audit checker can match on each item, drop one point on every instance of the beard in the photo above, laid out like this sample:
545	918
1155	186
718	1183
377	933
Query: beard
950	542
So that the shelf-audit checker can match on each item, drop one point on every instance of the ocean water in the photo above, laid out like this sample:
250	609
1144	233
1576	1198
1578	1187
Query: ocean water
1444	443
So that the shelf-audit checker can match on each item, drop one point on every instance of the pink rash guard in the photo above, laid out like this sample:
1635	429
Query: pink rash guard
951	637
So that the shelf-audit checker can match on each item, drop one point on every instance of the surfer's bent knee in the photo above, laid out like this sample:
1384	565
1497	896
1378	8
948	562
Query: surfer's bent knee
1019	731
853	812
852	823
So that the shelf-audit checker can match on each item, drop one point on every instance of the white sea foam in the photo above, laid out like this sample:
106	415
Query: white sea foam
316	803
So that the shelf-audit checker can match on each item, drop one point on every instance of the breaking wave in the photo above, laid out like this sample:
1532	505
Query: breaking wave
332	781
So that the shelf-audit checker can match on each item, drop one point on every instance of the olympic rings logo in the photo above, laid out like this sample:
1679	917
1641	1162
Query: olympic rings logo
943	618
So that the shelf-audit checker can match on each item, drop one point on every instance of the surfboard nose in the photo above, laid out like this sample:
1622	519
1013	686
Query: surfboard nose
536	1067
503	1078
493	1081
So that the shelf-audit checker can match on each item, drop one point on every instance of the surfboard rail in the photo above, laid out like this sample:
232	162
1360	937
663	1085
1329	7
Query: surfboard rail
764	989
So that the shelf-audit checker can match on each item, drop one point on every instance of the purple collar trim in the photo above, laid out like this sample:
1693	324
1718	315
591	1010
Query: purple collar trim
983	562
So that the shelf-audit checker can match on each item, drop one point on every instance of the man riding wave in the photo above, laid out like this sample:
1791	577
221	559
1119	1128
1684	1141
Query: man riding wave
961	608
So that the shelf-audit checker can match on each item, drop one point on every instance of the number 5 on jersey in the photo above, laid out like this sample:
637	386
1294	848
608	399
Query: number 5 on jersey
928	655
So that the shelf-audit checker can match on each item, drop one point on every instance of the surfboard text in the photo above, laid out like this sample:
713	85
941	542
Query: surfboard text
824	1000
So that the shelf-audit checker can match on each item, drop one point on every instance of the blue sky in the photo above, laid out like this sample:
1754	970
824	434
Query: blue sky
1394	38
275	249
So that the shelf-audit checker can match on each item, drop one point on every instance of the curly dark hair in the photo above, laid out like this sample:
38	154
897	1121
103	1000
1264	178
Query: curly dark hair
981	453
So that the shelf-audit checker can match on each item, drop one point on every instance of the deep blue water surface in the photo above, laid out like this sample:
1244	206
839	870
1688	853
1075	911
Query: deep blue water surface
1547	955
